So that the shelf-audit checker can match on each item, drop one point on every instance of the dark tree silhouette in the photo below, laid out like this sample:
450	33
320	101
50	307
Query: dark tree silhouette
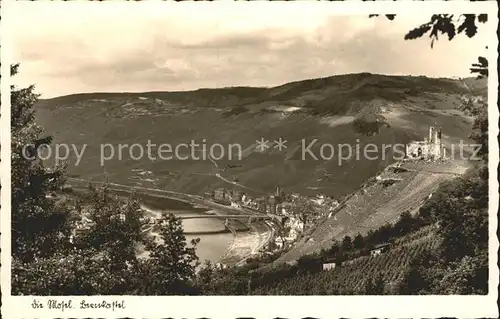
450	25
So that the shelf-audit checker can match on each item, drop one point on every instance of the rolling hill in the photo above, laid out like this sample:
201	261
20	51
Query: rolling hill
354	108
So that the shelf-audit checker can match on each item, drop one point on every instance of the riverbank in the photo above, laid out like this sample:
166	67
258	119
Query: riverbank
248	244
229	244
247	241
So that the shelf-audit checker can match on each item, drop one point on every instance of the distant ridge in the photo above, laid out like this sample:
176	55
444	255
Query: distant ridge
368	108
317	95
102	94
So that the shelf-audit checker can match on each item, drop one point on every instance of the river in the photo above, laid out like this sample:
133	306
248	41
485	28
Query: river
216	241
214	238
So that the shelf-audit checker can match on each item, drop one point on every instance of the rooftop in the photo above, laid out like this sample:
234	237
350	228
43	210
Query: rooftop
381	246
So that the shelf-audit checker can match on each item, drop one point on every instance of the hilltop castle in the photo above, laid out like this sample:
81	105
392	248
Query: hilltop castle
429	148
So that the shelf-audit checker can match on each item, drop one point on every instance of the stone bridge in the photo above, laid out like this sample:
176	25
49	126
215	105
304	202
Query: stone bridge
225	216
249	218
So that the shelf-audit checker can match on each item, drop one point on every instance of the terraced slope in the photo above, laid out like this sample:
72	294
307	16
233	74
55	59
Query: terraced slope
352	276
376	204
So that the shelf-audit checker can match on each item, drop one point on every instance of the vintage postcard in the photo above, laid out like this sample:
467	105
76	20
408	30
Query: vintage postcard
249	159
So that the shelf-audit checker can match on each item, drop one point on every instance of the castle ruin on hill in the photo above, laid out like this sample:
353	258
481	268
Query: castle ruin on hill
429	148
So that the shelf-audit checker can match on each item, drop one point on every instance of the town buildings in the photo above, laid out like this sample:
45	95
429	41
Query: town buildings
281	208
379	249
329	265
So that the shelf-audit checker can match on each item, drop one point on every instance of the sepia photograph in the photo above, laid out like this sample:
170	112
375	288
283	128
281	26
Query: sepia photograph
239	149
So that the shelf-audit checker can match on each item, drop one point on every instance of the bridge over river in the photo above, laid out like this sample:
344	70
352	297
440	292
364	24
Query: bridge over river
253	217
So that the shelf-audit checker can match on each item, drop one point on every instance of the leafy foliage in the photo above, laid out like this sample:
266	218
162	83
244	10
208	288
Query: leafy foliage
481	68
38	224
115	226
480	131
388	16
52	257
368	126
460	265
171	263
79	272
448	24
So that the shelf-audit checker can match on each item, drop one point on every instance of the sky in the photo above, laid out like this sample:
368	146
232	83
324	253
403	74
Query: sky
75	47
